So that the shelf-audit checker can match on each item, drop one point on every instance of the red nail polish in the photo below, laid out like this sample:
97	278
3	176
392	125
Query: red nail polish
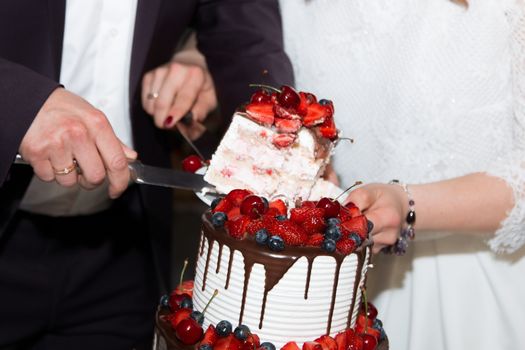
168	121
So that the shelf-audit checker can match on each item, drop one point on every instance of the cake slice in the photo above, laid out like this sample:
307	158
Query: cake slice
278	145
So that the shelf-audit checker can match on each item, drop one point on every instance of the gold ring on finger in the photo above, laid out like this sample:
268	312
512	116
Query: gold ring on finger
66	170
152	95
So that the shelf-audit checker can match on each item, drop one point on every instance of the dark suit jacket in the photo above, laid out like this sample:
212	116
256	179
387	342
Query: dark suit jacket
240	39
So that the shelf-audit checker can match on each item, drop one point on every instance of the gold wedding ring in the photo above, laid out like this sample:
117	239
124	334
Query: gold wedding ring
67	170
152	95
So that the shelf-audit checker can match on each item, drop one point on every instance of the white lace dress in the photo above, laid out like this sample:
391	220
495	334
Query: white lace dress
428	90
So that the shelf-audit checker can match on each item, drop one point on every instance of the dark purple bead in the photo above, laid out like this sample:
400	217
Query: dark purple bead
411	202
370	225
411	217
411	233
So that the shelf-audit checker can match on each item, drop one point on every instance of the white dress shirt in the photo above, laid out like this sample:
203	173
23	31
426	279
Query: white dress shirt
98	38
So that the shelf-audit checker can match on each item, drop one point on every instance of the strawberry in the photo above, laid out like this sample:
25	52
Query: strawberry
328	129
340	340
283	140
358	225
345	214
315	240
237	196
302	109
371	331
261	113
355	343
350	335
254	226
281	112
251	342
273	212
291	233
179	315
291	346
210	336
314	223
279	205
312	345
345	246
224	206
233	212
327	342
185	288
309	204
236	227
287	125
300	215
315	115
362	320
227	343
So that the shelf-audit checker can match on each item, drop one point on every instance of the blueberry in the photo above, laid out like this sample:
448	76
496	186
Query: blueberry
354	236
333	233
215	202
266	203
164	300
324	102
328	245
206	347
333	221
267	346
223	328
370	225
281	217
186	303
261	236
241	332
276	243
197	316
218	219
377	324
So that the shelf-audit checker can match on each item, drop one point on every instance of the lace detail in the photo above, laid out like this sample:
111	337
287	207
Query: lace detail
511	235
423	96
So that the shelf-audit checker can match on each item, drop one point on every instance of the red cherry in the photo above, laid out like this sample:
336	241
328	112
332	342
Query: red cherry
188	331
331	207
372	310
261	96
253	206
192	163
369	341
289	98
178	316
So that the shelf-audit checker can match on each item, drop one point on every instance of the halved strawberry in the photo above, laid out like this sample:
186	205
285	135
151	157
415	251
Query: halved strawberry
179	315
328	129
355	343
358	225
283	140
345	246
314	223
254	226
327	342
227	343
316	115
236	227
300	215
309	204
291	346
340	339
284	113
312	345
291	233
233	212
186	287
224	206
279	205
261	113
315	240
237	196
210	336
302	109
287	125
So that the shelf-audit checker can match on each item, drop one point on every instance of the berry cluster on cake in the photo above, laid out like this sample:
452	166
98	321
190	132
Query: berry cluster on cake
282	263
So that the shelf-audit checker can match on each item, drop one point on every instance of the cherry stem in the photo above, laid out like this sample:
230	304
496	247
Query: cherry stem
183	271
363	291
265	87
357	183
209	302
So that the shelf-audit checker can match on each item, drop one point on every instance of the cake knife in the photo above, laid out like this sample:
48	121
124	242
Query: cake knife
150	175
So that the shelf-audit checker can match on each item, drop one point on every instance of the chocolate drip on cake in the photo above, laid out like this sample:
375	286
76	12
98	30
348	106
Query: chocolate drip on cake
276	264
219	258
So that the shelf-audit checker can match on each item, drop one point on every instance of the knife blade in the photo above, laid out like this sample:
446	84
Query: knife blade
143	174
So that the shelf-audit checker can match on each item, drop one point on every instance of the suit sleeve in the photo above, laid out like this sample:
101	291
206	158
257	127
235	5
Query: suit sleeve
22	94
242	41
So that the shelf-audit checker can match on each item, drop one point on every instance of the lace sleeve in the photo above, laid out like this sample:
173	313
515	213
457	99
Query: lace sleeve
511	168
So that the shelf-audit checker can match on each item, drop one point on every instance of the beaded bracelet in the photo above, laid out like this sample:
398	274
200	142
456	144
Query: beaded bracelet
408	232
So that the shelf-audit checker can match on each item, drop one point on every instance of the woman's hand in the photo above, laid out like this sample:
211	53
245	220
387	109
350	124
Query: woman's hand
386	206
170	92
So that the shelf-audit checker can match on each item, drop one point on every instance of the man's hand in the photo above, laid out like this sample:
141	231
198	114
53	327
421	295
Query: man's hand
67	127
170	91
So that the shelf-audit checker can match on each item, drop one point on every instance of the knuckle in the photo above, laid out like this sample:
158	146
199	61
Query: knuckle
161	104
119	162
96	177
98	119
